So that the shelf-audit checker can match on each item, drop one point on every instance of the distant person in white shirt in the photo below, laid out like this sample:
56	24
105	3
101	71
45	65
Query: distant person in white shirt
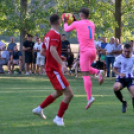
40	61
123	68
4	57
110	56
98	42
117	48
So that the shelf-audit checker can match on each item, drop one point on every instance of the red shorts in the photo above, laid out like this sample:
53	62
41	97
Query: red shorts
57	79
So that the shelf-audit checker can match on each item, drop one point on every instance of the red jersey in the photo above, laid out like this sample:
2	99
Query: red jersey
52	38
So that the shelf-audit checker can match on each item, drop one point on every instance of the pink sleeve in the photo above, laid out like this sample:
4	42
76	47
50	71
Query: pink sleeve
69	28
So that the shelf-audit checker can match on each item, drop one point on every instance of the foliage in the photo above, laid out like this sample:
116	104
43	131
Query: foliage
35	20
102	14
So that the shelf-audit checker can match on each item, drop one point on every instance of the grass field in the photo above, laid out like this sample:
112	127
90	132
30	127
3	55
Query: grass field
19	95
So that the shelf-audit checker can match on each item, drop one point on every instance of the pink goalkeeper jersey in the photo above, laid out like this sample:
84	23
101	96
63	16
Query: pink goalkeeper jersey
85	33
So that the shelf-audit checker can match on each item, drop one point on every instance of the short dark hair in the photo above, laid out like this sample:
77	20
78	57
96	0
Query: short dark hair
85	11
29	35
54	19
63	35
127	46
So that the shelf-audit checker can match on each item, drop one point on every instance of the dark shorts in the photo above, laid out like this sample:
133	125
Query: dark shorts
28	58
125	82
34	57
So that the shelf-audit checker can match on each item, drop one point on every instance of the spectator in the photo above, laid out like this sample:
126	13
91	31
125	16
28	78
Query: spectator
33	65
11	45
102	50
117	48
76	64
15	59
28	47
40	61
3	59
65	45
98	42
110	56
70	58
2	45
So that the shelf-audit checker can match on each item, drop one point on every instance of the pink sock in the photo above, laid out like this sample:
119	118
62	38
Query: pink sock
93	70
88	86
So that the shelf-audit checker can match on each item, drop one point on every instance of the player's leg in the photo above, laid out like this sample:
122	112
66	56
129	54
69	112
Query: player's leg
84	65
117	87
68	95
108	66
48	100
131	89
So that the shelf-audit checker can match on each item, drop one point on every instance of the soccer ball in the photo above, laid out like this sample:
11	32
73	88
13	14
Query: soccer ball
69	17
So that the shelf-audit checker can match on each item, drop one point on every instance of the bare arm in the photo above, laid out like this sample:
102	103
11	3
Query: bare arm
42	51
115	70
55	55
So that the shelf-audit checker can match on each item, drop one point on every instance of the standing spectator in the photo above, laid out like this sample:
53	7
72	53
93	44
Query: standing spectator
98	42
3	58
70	58
15	59
65	45
102	52
1	46
28	47
40	61
11	45
110	56
117	48
33	65
132	44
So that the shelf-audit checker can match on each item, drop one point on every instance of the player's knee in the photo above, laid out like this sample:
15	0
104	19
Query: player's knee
116	88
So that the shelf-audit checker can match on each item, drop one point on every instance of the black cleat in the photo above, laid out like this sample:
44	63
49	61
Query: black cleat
124	107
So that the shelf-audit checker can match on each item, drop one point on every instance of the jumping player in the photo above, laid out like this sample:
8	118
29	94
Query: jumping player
123	67
85	33
51	49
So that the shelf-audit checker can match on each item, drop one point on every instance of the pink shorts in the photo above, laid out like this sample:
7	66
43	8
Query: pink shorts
86	59
57	79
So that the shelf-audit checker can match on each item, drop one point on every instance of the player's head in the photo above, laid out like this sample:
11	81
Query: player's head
54	20
127	51
84	13
63	37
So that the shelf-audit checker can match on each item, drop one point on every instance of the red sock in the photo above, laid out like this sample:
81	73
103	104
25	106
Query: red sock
47	101
62	109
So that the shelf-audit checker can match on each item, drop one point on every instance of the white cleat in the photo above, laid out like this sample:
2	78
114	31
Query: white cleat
101	76
39	112
89	102
58	121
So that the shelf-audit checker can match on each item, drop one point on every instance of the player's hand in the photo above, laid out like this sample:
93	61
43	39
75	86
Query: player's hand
122	75
74	17
64	68
64	20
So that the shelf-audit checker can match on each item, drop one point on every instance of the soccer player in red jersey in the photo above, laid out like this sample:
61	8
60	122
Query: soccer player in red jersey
54	67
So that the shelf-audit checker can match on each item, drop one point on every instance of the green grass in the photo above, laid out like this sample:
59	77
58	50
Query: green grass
19	95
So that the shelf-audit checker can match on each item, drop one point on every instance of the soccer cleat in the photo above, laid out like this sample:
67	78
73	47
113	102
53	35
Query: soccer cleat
89	102
101	76
124	107
39	112
58	121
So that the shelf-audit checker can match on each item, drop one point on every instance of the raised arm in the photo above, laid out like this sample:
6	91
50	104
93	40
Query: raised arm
68	28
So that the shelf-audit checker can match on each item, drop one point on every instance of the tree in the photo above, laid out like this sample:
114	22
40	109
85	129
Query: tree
24	16
111	17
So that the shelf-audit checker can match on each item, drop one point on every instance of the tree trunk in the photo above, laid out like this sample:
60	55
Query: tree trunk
23	4
118	29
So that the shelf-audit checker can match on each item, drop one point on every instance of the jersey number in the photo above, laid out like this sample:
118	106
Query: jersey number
90	32
47	39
